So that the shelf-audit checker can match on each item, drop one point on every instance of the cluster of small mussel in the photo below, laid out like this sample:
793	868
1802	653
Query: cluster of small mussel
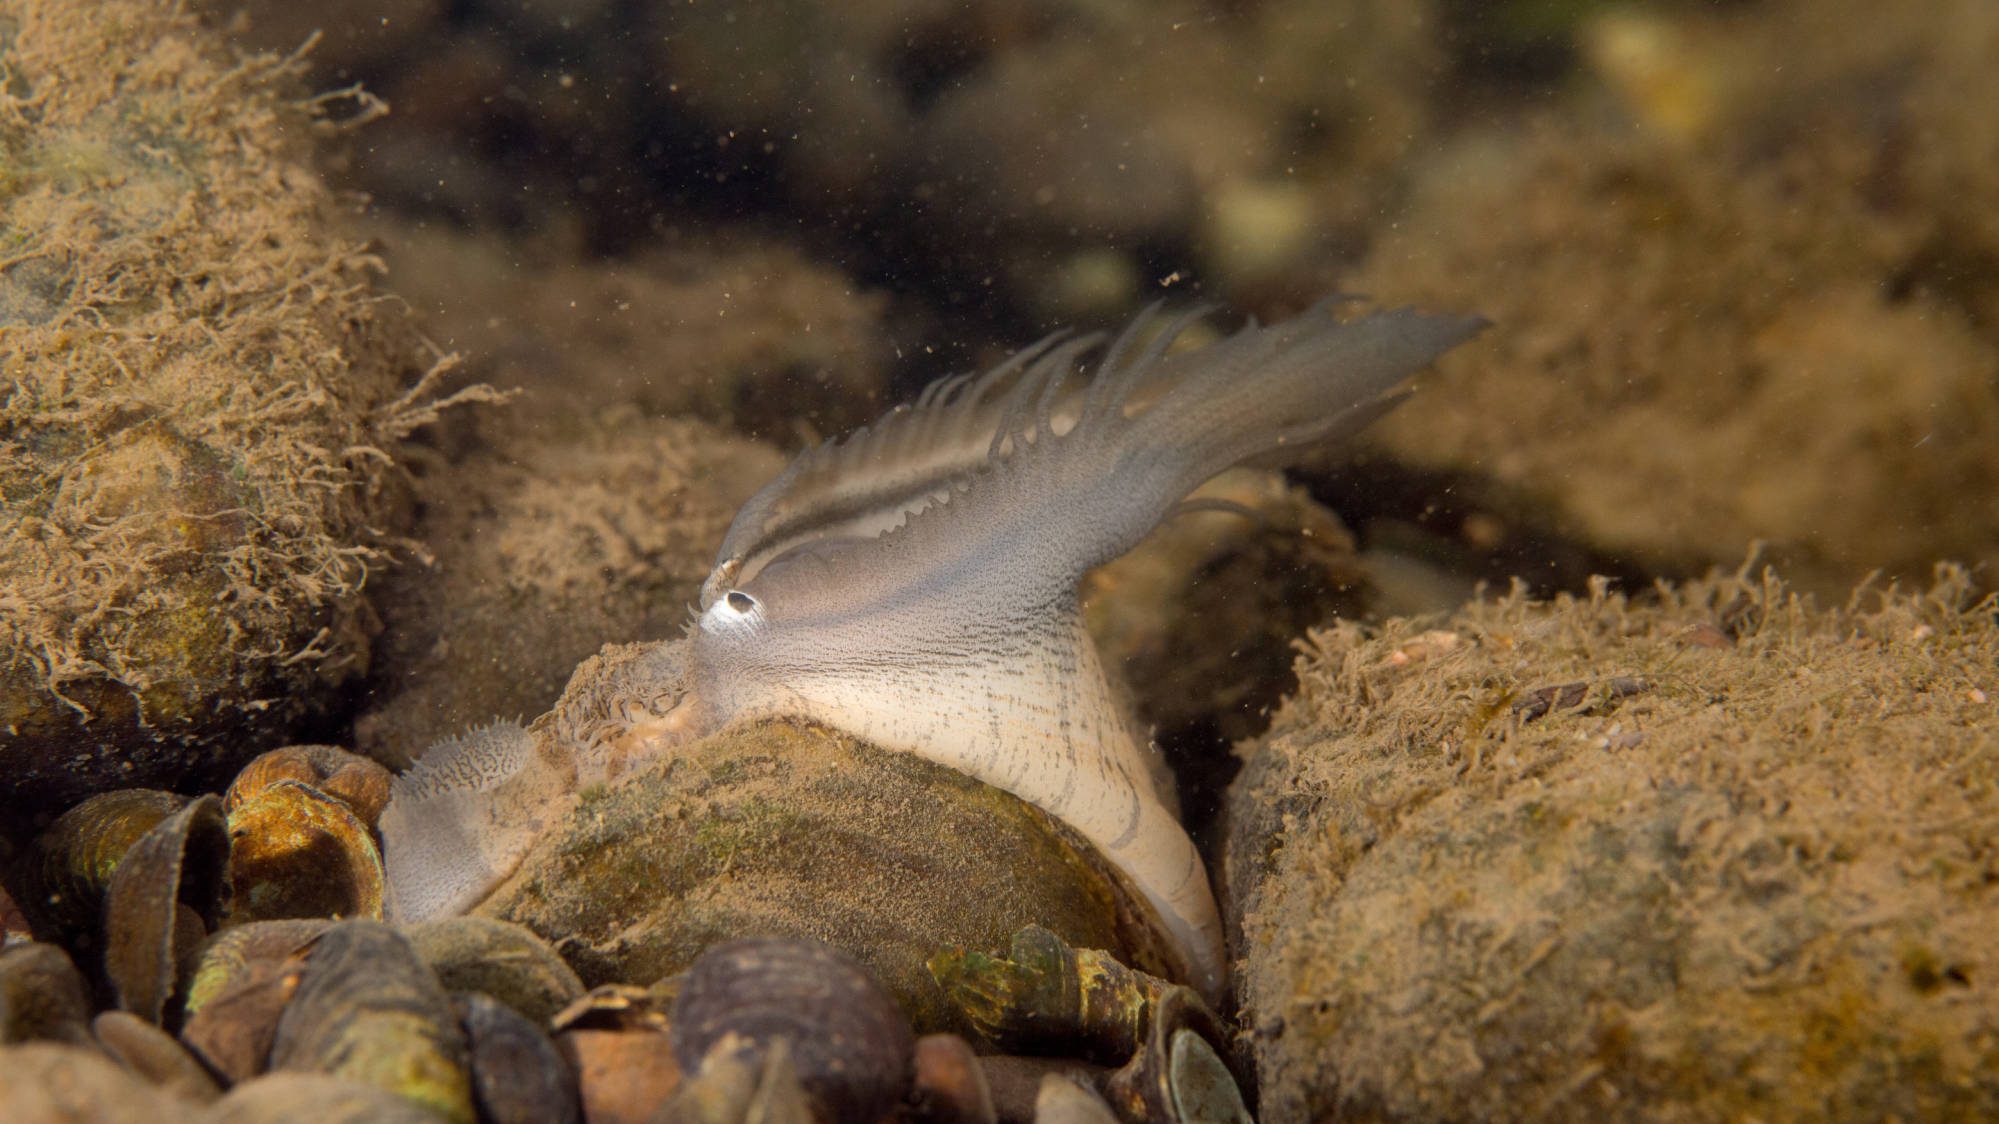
227	959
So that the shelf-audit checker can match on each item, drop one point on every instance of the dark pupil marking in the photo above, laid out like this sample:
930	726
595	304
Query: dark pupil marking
740	601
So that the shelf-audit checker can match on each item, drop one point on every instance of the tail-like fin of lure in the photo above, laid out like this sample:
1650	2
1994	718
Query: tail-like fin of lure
461	819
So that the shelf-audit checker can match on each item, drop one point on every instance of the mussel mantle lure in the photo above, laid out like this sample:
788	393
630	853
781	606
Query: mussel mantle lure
915	585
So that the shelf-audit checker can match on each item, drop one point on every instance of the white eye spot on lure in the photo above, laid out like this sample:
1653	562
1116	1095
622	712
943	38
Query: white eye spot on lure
735	612
914	584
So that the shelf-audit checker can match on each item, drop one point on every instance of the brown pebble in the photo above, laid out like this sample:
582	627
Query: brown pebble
950	1086
623	1076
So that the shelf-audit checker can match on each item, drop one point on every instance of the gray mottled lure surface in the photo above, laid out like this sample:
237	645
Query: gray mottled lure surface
915	584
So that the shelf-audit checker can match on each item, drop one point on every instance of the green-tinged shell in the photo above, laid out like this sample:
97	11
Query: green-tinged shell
782	830
153	1054
847	1042
359	783
1046	997
296	851
74	858
368	1010
518	1076
42	996
60	1083
284	1098
241	984
163	899
497	958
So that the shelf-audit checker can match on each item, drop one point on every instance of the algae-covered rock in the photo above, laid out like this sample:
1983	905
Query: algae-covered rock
1719	857
730	326
200	407
779	830
1758	308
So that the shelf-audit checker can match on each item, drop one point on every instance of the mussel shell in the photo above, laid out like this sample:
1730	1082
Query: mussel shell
498	958
354	780
153	1054
242	983
518	1076
286	1098
739	1085
1061	1100
163	898
779	829
75	856
42	996
1180	1075
1202	1088
368	1010
1044	996
848	1041
297	852
60	1083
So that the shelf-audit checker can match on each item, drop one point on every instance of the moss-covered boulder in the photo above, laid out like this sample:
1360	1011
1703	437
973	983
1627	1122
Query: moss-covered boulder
201	400
1714	856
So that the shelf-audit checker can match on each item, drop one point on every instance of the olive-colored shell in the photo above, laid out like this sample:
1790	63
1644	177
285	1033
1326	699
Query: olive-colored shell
42	996
850	1044
518	1076
75	856
1046	997
498	958
163	899
778	829
153	1054
1179	1075
354	780
297	852
368	1010
244	979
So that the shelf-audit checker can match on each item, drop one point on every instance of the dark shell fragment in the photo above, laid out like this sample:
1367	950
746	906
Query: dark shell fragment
164	896
850	1044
